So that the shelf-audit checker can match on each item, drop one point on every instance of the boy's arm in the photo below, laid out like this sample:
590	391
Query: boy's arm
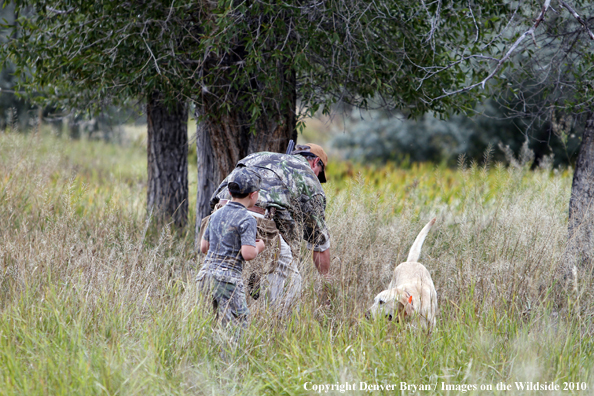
250	252
204	242
250	246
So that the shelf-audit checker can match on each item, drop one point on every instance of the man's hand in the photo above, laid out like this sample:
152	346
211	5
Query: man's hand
322	261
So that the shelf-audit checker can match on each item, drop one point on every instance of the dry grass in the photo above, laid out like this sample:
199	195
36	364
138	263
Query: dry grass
95	301
502	237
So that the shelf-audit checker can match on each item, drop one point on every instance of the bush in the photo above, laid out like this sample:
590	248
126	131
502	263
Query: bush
380	138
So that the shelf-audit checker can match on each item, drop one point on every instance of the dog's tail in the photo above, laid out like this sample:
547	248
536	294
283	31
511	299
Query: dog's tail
415	250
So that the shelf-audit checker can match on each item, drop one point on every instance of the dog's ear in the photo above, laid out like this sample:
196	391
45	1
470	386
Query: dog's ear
400	310
403	300
407	304
404	307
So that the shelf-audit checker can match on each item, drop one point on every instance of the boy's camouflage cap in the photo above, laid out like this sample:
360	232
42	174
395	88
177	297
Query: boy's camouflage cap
245	181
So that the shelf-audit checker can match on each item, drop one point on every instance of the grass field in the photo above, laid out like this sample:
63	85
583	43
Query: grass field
95	301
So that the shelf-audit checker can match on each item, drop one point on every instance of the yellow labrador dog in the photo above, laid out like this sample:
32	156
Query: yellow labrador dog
411	293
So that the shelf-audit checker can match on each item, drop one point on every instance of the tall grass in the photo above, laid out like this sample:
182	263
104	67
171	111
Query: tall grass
93	300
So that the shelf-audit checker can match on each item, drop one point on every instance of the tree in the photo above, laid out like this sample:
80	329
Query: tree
246	64
581	203
562	95
86	55
14	111
167	147
550	81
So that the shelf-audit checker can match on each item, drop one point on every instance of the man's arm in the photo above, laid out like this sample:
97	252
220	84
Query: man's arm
214	199
316	233
322	261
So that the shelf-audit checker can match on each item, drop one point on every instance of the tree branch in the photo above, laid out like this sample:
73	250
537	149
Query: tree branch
60	12
576	16
434	22
10	91
529	32
474	20
152	55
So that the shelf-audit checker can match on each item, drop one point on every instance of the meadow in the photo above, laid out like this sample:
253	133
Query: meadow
96	300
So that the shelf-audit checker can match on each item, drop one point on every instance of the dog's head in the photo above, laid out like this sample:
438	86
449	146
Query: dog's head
393	304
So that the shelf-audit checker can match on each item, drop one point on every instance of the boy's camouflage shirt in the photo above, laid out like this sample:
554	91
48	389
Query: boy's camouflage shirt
228	229
290	186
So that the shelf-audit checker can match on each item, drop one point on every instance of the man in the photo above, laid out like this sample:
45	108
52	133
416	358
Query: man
290	194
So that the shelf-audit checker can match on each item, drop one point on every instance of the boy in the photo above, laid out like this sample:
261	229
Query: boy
229	239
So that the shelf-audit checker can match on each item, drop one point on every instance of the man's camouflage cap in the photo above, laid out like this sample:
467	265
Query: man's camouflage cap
244	181
316	151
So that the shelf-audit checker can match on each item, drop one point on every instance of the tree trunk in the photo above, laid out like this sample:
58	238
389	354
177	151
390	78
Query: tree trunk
208	174
167	149
581	203
230	134
225	139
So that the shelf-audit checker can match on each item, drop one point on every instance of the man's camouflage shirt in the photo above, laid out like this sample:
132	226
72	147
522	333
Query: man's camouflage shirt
290	186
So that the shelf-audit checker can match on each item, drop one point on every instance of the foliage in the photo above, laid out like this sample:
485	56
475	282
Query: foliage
18	112
405	56
93	303
391	53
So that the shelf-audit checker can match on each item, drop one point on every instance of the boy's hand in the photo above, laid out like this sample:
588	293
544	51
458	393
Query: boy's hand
260	245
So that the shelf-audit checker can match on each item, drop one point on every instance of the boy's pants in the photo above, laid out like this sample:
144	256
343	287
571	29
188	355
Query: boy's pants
228	299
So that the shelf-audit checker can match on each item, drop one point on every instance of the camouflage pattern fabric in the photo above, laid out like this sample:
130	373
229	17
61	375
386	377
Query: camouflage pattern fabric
267	260
228	299
228	229
246	181
290	186
219	279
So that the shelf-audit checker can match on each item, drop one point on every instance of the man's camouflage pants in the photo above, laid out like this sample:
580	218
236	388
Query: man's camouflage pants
228	299
282	288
